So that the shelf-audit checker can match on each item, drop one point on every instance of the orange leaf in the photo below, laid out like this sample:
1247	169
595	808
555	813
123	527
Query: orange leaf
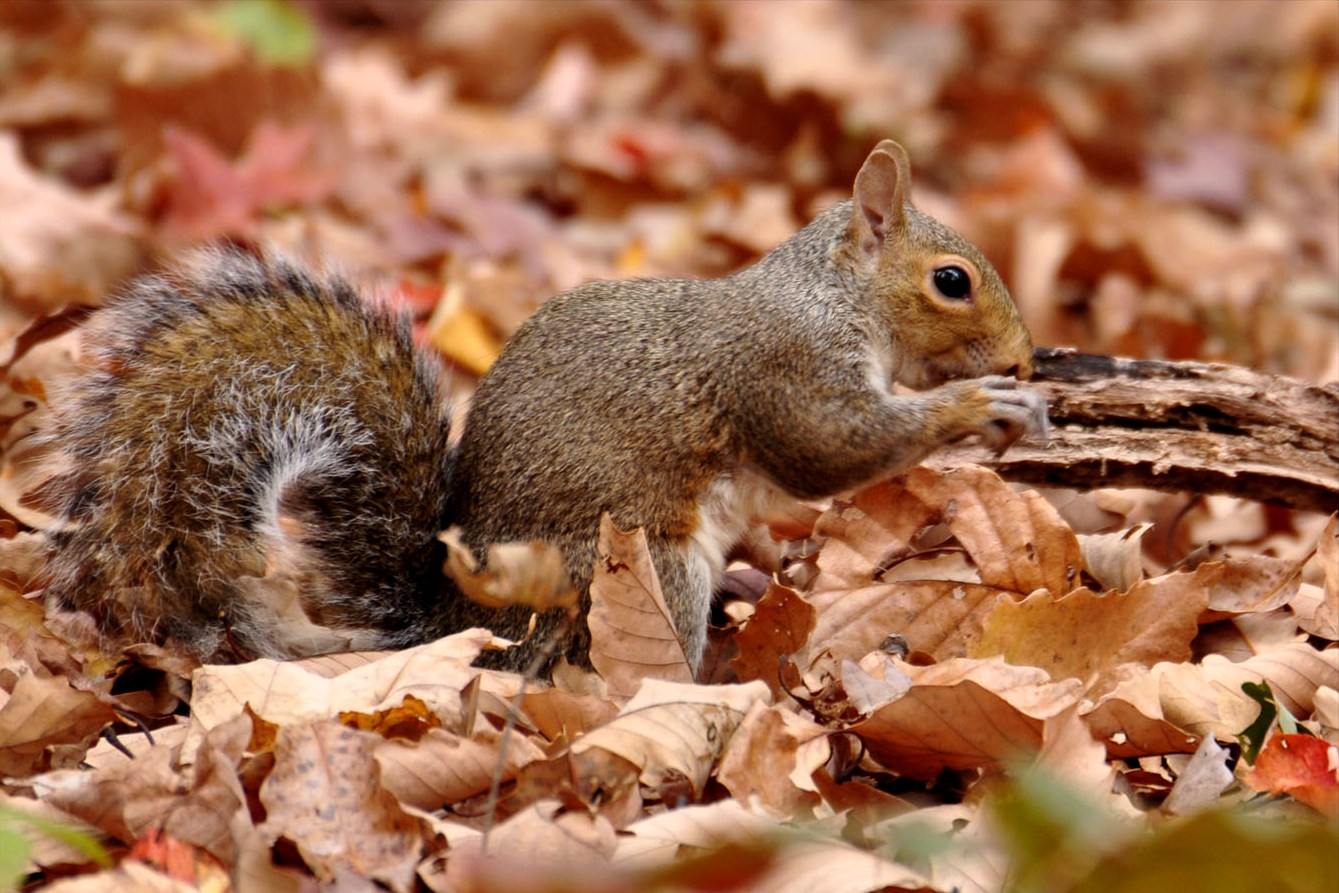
1303	767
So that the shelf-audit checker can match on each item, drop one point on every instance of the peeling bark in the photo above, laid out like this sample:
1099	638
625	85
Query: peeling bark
1206	428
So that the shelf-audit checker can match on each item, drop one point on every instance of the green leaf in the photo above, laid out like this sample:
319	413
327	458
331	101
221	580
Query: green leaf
279	32
14	843
1253	736
14	848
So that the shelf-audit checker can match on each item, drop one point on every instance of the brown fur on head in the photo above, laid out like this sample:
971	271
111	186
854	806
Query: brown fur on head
950	314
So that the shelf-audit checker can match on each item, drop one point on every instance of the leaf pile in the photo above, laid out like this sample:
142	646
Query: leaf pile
948	684
1026	650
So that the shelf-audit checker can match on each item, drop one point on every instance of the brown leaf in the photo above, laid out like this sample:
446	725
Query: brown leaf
772	757
530	574
941	618
1084	634
565	715
779	627
287	692
1324	621
1169	705
42	712
868	534
632	631
964	715
1017	540
325	795
673	728
59	246
1115	560
443	767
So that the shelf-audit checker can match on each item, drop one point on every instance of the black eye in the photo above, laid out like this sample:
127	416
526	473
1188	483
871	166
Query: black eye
952	282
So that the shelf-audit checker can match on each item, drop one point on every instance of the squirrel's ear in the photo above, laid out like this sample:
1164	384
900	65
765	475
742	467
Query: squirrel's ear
880	194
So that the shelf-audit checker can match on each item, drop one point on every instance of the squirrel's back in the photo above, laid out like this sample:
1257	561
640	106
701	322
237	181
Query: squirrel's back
256	464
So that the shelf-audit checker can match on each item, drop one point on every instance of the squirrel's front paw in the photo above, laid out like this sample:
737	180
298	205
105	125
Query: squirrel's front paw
1010	410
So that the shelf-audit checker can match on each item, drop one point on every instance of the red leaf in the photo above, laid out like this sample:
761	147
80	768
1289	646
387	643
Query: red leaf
1303	767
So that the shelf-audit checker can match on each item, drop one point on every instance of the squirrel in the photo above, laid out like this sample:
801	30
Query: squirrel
259	462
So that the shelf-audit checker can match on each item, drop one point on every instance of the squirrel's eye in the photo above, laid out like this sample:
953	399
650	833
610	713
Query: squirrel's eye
952	282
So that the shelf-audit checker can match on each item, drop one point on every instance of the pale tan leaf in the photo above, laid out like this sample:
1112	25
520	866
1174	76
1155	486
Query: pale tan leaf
285	692
1324	621
772	757
871	532
1115	560
1084	634
658	837
1202	782
632	631
107	798
43	712
980	865
1017	540
203	814
868	693
799	865
941	618
554	840
129	877
833	866
1129	719
325	795
964	714
563	715
443	767
530	574
1143	713
529	850
59	245
1247	585
674	728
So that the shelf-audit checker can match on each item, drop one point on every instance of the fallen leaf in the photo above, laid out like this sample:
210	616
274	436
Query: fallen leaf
964	714
1017	540
1303	767
771	759
1200	785
1084	634
632	630
779	626
672	728
325	795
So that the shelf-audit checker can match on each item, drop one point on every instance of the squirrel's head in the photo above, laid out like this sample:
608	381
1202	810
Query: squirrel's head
947	310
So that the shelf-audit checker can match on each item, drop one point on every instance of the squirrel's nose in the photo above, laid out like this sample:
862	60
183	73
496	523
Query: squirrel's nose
1022	371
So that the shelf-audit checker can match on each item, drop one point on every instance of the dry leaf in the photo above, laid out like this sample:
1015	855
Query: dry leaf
1084	634
1115	560
868	534
1017	540
530	574
941	618
772	757
632	631
285	692
1202	782
670	728
325	795
964	715
443	767
39	713
779	626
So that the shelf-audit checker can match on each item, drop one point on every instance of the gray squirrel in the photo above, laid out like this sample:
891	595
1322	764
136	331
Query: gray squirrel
259	462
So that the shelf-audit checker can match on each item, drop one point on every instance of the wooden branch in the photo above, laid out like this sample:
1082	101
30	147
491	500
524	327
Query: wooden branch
1184	426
